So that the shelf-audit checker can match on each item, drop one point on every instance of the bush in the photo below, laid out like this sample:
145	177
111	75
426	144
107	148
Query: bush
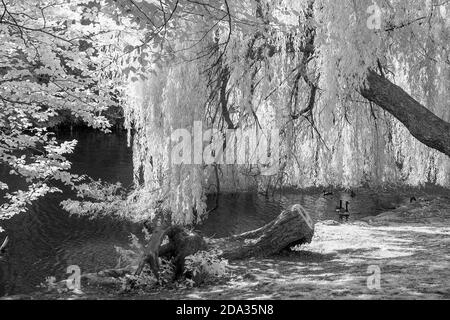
205	266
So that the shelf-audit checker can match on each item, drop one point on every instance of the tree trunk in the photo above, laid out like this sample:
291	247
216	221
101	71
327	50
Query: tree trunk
424	125
152	251
292	227
4	245
182	243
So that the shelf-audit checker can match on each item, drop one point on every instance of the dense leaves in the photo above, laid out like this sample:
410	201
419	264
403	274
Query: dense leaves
294	66
297	67
54	57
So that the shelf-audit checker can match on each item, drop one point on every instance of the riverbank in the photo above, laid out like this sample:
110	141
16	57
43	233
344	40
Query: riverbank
410	246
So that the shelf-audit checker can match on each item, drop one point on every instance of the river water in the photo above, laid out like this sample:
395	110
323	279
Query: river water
46	240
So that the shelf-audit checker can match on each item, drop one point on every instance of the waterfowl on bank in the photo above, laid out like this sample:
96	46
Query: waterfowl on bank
345	214
327	193
384	205
339	208
412	199
389	206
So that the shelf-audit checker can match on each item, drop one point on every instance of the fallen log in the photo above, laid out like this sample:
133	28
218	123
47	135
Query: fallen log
292	227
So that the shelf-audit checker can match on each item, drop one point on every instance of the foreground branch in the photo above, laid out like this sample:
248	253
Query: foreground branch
424	125
4	245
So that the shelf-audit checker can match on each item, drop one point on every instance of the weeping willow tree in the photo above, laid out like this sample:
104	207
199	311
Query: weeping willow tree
358	91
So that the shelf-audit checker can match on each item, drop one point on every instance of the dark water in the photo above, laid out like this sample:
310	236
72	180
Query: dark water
243	212
46	240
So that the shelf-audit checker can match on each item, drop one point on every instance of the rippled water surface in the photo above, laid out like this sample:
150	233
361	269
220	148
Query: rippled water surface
46	240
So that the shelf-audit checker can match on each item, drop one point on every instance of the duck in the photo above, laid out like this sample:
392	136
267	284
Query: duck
345	214
339	208
384	205
412	199
389	206
327	193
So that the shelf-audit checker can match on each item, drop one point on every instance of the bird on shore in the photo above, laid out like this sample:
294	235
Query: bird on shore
385	205
327	193
339	208
345	214
389	206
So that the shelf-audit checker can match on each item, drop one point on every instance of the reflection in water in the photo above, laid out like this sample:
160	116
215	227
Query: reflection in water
46	240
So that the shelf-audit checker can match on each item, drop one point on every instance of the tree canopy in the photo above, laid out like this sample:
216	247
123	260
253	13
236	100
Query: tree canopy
357	89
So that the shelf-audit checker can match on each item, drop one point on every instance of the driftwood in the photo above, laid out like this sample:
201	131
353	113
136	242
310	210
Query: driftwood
292	227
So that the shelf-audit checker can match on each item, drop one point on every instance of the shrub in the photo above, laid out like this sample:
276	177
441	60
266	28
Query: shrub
205	266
